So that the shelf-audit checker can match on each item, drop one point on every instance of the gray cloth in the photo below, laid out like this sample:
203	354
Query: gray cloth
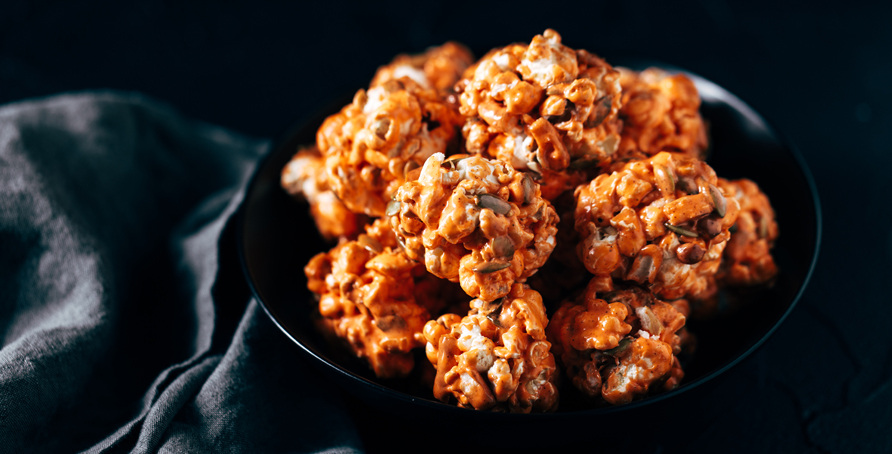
125	322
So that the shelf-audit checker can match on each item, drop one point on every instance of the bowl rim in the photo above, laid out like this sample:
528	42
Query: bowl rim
733	100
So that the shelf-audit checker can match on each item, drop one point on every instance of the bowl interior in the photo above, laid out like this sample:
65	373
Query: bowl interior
277	237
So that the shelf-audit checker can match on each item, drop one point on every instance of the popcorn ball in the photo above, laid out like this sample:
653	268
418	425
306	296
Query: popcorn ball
661	222
373	143
438	68
543	107
304	176
619	346
474	221
367	298
747	259
496	357
660	112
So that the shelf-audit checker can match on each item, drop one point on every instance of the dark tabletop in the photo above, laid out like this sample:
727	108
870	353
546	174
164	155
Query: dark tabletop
821	73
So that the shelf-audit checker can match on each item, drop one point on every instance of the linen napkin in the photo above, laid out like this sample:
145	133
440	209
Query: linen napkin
125	321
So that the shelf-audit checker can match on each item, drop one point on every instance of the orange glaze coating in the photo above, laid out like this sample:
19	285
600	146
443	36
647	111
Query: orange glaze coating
563	273
475	221
618	345
542	107
660	112
496	357
438	68
374	142
747	259
304	176
661	222
366	290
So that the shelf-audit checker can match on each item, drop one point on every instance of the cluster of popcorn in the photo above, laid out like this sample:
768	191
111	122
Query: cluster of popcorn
443	183
661	112
661	222
497	356
475	221
543	107
367	298
618	345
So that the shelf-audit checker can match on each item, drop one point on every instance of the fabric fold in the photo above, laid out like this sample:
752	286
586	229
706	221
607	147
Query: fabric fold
125	324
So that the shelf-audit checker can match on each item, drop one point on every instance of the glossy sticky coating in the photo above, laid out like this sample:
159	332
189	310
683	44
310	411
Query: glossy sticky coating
497	357
367	298
542	107
304	177
747	259
618	346
477	222
373	143
654	222
660	112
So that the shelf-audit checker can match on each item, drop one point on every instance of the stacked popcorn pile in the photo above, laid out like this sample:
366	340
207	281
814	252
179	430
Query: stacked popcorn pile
446	174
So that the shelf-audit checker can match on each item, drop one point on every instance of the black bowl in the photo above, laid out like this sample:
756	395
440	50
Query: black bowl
277	237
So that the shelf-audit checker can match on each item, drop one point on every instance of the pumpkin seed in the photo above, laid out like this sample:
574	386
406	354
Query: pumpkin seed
681	230
393	207
371	244
503	247
491	267
409	167
763	228
380	128
602	109
687	186
497	205
494	314
721	205
623	346
528	189
649	321
451	163
535	174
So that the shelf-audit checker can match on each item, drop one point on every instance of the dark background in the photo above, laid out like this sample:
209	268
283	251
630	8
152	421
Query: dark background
822	73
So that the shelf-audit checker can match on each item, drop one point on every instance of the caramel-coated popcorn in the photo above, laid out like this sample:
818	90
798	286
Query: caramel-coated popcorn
496	357
464	167
438	68
475	221
304	176
661	222
660	112
367	298
618	345
543	107
373	143
747	259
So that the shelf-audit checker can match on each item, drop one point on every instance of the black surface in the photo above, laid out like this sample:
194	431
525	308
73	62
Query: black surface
820	72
